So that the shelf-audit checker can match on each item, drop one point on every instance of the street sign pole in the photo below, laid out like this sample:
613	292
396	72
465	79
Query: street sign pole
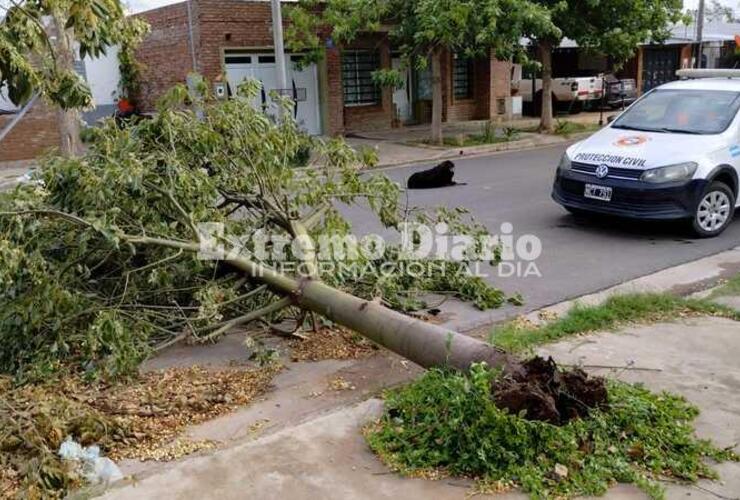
699	33
277	33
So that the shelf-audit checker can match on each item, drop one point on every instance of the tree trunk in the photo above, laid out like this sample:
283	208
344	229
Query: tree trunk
546	121
68	121
423	343
437	96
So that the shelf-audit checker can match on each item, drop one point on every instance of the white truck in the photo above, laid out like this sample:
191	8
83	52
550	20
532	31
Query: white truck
567	93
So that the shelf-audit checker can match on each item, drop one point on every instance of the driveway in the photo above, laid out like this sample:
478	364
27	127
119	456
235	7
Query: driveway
578	257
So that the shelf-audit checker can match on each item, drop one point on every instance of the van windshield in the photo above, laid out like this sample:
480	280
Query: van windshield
682	111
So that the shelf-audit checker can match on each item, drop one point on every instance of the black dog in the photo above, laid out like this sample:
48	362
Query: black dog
440	176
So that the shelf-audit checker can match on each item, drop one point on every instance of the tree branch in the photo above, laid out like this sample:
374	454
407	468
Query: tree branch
248	318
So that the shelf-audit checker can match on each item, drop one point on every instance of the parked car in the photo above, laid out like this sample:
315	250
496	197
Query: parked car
620	93
673	154
569	94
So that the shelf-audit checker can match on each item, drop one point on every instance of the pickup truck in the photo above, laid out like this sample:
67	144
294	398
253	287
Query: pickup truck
567	93
620	93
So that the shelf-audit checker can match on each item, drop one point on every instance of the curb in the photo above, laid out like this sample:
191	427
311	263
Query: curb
692	279
485	150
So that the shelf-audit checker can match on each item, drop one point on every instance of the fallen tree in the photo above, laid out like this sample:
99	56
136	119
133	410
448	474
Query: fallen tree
102	258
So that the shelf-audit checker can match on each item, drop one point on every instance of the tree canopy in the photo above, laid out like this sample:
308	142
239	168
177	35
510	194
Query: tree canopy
613	28
30	58
616	27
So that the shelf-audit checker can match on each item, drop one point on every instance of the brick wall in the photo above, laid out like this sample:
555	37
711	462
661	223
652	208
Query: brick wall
164	53
475	108
34	135
500	83
334	106
230	24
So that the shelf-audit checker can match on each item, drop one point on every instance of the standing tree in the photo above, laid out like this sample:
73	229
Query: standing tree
39	41
611	27
423	31
716	11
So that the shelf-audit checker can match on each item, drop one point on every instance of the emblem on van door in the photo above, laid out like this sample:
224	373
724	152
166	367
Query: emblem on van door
602	171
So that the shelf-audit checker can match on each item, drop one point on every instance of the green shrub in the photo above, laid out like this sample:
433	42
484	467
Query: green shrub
447	422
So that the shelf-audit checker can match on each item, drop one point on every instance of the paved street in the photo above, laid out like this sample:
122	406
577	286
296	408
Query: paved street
579	257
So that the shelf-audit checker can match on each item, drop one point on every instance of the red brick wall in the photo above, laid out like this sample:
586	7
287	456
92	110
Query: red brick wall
500	83
335	92
165	52
245	24
34	135
475	108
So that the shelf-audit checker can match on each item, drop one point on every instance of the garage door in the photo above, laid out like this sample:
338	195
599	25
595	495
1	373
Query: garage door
302	84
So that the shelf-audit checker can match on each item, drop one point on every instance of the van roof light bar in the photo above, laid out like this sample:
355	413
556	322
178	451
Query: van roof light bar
708	73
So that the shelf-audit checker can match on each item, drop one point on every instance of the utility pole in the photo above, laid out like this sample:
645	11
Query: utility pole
277	34
699	33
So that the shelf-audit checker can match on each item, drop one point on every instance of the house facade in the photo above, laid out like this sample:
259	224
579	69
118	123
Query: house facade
230	40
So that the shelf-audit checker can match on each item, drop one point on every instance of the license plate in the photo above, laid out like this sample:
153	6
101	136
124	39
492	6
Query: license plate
602	193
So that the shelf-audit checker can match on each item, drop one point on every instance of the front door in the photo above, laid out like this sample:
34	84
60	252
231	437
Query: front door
402	95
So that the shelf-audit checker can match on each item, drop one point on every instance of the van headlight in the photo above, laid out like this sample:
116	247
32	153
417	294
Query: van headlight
671	173
565	163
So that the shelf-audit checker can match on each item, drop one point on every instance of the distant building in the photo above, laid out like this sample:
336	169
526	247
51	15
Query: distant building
232	40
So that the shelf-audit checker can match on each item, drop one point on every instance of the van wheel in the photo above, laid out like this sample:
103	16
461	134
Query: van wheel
714	211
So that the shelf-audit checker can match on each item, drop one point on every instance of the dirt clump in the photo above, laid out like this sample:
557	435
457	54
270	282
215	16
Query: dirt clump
547	394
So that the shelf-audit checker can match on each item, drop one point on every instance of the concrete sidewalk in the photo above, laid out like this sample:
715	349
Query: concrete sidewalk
394	153
326	457
11	171
403	146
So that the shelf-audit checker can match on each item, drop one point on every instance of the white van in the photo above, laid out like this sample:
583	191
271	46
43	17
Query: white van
673	154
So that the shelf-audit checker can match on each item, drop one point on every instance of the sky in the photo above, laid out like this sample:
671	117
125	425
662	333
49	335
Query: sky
139	5
689	4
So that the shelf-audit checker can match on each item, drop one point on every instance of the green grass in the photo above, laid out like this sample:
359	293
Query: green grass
616	311
731	287
489	134
567	128
473	140
447	424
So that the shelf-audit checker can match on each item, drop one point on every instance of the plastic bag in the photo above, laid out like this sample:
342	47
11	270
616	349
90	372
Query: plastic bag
92	466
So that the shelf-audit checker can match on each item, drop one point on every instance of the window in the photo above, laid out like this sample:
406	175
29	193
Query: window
237	59
462	77
357	77
689	111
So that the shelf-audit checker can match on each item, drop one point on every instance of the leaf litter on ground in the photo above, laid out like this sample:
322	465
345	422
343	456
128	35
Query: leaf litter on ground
142	419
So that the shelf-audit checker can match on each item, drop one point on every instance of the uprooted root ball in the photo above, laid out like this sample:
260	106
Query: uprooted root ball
548	394
449	424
